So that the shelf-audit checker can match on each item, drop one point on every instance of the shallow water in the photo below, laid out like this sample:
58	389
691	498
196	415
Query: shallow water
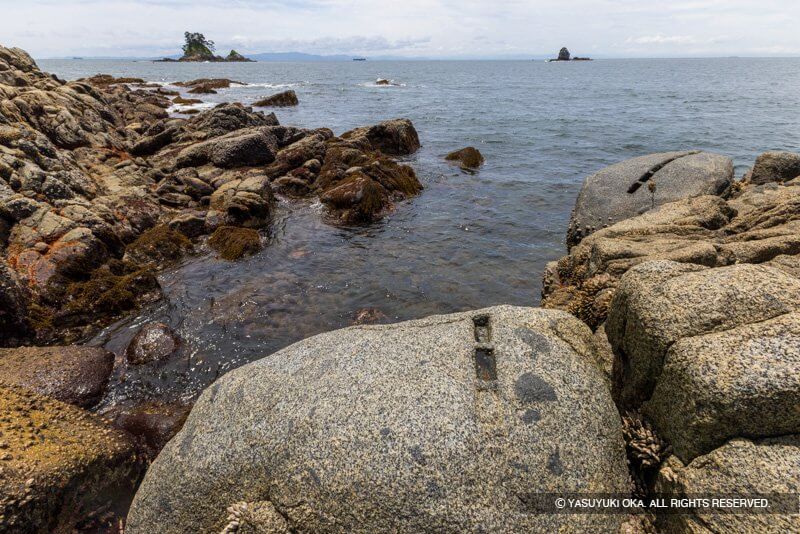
467	241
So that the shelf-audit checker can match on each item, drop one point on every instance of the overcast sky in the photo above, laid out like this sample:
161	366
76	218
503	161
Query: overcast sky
410	28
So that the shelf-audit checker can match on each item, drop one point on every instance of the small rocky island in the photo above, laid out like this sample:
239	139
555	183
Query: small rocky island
199	49
564	55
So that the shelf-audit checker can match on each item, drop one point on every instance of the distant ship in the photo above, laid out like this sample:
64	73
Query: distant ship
359	59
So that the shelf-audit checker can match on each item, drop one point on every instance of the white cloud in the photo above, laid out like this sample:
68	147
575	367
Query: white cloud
662	39
479	28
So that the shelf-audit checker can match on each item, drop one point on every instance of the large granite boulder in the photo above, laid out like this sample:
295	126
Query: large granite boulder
637	185
738	382
775	167
659	303
446	424
72	374
745	468
58	464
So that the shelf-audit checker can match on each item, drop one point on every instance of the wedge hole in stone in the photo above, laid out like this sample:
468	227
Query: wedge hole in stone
485	364
483	332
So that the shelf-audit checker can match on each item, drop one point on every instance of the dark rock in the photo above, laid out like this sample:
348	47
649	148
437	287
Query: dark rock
13	306
159	245
211	83
233	243
563	54
192	225
229	117
73	374
775	167
202	90
396	137
356	199
186	101
152	144
154	342
369	316
284	99
241	148
467	158
152	423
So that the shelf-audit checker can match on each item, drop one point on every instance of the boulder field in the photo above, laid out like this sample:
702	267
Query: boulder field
697	303
100	187
665	358
687	353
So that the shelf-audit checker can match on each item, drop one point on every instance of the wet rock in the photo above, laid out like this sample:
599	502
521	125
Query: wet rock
385	424
213	83
637	185
292	186
153	424
466	158
59	463
233	243
111	289
160	246
154	342
283	99
72	374
242	148
396	137
202	90
369	316
13	306
775	167
358	187
743	468
186	101
356	199
563	54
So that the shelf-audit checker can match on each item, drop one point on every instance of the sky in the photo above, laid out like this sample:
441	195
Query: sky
407	28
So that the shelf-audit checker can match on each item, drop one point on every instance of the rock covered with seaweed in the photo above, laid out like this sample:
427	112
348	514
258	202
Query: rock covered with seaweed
100	187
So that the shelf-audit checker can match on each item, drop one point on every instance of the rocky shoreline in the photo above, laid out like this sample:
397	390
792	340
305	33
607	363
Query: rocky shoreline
664	358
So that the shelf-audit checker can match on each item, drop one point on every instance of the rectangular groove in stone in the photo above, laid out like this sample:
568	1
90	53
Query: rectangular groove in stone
485	363
483	332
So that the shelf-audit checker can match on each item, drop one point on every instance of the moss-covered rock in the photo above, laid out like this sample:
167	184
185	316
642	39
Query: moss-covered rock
233	243
160	246
58	463
466	158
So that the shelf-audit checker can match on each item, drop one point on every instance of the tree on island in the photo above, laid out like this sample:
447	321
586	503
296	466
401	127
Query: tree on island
197	45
